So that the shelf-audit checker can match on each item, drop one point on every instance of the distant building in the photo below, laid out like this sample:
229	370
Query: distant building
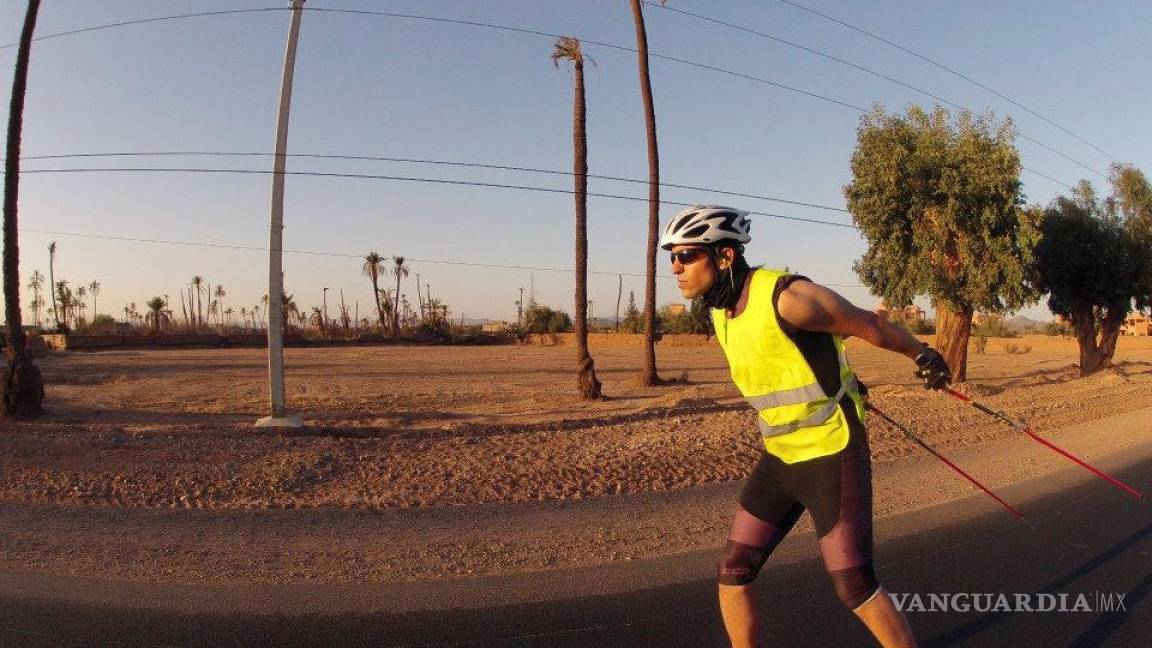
495	327
910	313
1136	324
676	309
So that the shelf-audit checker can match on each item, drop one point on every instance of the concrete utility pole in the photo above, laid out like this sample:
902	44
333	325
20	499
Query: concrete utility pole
279	418
520	309
325	308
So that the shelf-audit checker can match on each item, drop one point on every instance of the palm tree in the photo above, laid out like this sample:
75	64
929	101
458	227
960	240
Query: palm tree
649	376
399	270
569	48
23	386
220	295
317	319
386	303
157	316
36	285
374	267
79	306
94	288
197	282
64	296
290	309
52	281
244	315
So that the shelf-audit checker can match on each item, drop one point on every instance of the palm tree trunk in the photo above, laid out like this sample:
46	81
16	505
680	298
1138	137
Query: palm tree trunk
619	294
376	295
396	308
649	376
589	386
23	387
419	298
52	283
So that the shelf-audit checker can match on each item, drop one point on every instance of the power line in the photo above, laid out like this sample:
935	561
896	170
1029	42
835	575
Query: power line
253	248
947	69
535	32
864	69
431	162
142	21
367	176
622	48
469	23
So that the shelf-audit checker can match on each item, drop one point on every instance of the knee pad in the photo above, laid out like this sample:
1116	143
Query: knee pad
855	585
741	563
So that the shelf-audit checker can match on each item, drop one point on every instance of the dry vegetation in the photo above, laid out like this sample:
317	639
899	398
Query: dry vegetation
136	437
404	426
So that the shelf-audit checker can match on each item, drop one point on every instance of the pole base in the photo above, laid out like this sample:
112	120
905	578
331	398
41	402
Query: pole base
279	422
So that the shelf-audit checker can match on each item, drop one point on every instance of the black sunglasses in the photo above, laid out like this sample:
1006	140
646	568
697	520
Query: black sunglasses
690	255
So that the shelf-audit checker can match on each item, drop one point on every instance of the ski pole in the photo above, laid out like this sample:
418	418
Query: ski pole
908	433
1024	428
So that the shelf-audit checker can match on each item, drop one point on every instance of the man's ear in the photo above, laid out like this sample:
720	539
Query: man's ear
728	255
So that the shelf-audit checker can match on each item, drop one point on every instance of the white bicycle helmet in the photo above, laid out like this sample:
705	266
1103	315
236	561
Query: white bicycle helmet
705	224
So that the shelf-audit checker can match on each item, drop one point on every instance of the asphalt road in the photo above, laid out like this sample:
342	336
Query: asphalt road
1080	536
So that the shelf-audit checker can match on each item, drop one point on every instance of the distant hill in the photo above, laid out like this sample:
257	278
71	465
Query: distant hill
1021	323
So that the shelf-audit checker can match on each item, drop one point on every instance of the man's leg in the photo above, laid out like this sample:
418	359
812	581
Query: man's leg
749	545
888	624
738	609
845	539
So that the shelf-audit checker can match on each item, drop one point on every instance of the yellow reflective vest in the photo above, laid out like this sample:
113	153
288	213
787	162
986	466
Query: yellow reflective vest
797	419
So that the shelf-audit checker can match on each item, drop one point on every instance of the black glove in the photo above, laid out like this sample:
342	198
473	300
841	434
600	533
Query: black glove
932	369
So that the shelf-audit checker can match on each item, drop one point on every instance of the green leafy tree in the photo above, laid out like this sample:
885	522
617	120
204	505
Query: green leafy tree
701	317
541	319
940	205
633	322
1093	262
569	49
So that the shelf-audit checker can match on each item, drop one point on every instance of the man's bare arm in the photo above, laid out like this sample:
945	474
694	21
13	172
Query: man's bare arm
812	307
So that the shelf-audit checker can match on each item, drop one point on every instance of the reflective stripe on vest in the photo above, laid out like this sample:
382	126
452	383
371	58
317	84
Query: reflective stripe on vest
821	415
805	394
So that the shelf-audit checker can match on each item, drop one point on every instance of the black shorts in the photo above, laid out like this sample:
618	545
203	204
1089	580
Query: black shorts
833	489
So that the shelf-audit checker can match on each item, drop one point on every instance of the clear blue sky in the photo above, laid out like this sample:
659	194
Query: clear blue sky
396	87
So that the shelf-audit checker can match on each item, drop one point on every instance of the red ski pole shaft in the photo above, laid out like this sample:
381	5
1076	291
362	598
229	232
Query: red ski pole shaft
908	433
1052	446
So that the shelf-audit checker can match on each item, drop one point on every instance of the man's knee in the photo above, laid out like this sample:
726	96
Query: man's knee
741	563
855	585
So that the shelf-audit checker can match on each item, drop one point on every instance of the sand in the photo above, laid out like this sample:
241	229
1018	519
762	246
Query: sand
436	462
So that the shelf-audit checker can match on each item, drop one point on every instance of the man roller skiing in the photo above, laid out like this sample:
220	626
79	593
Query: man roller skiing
783	337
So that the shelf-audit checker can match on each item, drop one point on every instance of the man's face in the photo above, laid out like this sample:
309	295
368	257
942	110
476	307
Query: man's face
693	271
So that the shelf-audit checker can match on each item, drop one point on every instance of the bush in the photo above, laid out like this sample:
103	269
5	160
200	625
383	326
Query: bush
980	342
1054	328
1018	349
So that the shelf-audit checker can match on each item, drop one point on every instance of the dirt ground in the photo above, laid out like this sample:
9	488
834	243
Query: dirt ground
148	466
